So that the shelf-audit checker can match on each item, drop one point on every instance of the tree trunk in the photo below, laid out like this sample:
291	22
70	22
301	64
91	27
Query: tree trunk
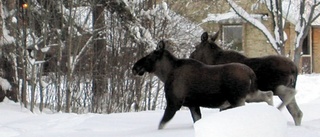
1	29
298	50
154	104
297	56
24	64
70	63
99	47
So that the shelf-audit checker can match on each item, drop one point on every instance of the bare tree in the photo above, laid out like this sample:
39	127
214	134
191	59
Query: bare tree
1	32
98	18
309	12
76	56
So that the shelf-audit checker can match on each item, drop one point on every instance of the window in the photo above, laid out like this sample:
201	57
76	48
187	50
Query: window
306	46
232	37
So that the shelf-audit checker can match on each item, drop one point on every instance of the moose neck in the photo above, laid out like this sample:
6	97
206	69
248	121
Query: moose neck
165	66
210	56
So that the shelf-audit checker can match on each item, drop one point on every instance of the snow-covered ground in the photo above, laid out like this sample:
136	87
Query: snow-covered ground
258	119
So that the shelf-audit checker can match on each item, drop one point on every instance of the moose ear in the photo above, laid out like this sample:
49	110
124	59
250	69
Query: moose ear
204	36
161	45
215	36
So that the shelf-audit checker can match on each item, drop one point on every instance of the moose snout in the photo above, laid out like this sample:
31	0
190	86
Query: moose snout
191	55
134	71
138	71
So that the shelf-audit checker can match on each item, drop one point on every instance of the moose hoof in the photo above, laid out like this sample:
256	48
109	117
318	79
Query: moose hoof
161	126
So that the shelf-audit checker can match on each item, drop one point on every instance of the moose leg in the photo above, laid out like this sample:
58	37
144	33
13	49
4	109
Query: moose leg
287	95
235	103
169	112
224	106
295	112
195	113
261	96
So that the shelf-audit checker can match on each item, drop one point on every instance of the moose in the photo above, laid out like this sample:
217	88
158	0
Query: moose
190	83
274	73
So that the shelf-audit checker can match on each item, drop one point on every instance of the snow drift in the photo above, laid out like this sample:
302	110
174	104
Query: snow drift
252	120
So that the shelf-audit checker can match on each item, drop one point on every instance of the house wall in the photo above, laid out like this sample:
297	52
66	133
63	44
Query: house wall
255	43
316	49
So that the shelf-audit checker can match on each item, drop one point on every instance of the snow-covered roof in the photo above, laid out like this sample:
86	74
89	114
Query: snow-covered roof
316	22
291	9
231	17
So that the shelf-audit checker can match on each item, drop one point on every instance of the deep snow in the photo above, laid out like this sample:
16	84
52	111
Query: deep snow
252	120
16	121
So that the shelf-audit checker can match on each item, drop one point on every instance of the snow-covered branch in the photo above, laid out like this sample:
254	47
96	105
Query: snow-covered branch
6	38
76	59
123	10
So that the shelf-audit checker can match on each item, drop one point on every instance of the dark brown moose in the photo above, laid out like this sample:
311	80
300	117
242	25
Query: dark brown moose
274	73
193	84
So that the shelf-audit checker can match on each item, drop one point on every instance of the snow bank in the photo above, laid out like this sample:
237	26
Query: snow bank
252	120
4	84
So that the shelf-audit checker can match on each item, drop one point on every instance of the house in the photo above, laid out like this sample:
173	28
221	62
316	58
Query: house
237	34
310	59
